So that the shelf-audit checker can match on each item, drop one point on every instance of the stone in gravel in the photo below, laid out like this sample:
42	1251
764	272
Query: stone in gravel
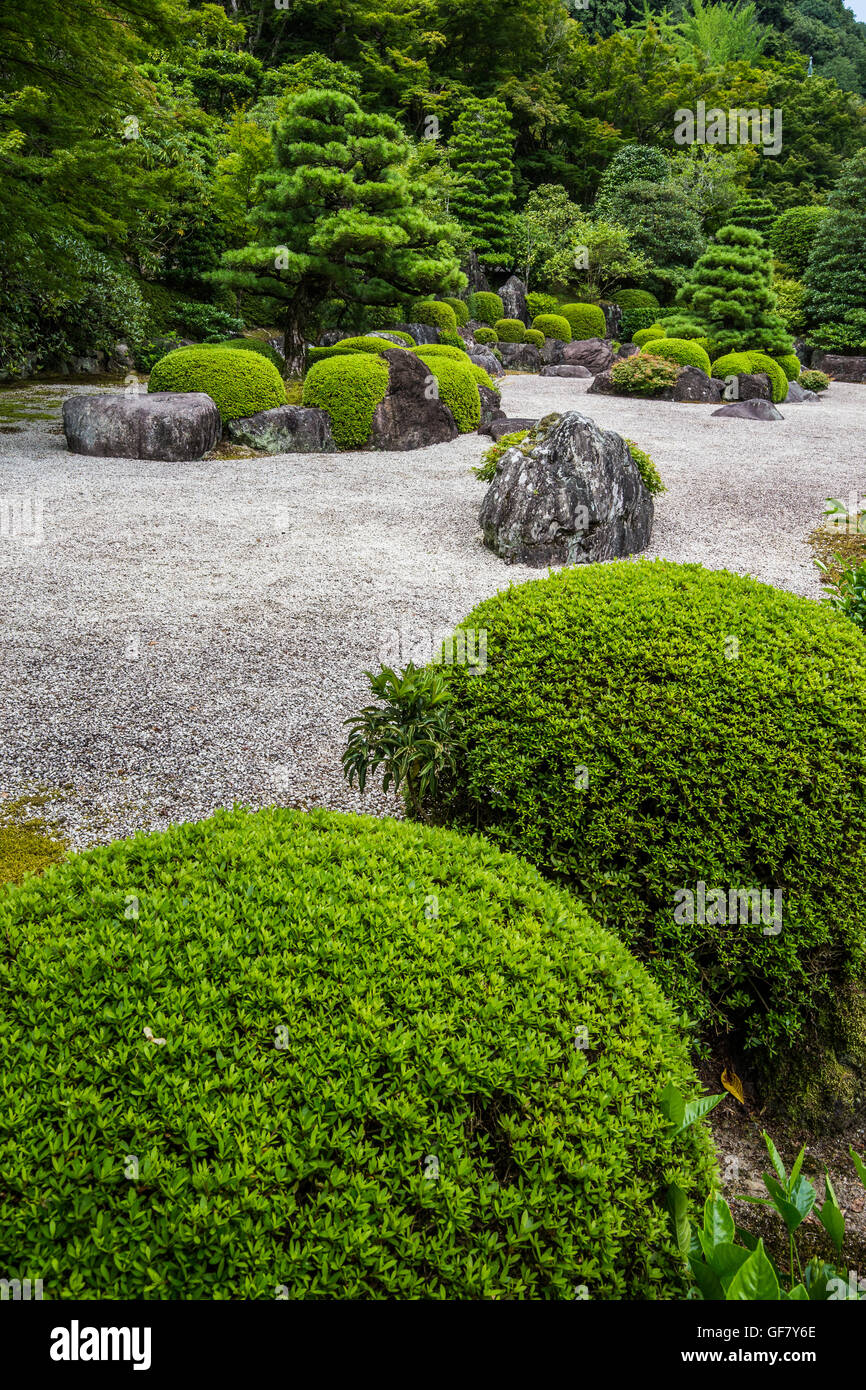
423	333
174	426
594	353
841	368
410	416
482	356
520	357
753	386
501	427
694	385
513	296
491	408
287	429
567	369
603	385
575	497
796	394
755	409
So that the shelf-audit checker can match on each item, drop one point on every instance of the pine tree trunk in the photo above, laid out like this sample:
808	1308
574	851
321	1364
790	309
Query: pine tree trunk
293	348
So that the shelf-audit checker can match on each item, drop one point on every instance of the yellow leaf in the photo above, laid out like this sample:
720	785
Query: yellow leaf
732	1083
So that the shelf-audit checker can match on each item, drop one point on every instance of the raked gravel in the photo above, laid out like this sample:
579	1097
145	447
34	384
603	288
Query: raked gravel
188	636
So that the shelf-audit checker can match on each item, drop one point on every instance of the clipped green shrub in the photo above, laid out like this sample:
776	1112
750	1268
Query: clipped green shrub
263	348
486	306
485	335
349	388
240	383
585	320
368	342
532	335
633	320
733	363
635	299
509	330
440	350
405	338
791	296
458	389
538	303
332	1089
643	375
482	378
812	380
451	339
721	724
684	351
647	469
436	313
648	335
553	326
461	310
791	365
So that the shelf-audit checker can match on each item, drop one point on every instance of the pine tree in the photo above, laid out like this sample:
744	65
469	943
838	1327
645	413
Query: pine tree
836	274
758	214
481	151
729	297
339	217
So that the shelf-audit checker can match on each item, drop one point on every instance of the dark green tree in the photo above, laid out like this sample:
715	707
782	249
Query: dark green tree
339	218
836	274
662	226
481	151
729	296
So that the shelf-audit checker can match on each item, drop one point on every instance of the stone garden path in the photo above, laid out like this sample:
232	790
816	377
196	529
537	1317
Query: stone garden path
189	635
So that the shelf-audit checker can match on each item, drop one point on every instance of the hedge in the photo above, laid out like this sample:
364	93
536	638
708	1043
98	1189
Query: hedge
349	388
509	330
486	307
240	383
458	388
684	351
553	326
585	320
722	727
315	1056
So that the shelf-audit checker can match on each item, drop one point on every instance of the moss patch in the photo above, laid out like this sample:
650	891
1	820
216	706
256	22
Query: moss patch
28	842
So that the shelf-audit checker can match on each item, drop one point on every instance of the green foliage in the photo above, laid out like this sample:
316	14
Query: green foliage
343	1028
538	303
847	592
792	235
349	388
482	378
648	335
28	843
555	326
481	152
509	330
846	337
687	353
644	663
486	307
458	388
643	375
405	339
729	295
663	228
408	734
791	297
584	320
836	275
485	336
790	365
490	458
812	380
758	214
435	314
633	320
461	311
533	336
636	299
735	363
257	345
631	164
647	469
240	383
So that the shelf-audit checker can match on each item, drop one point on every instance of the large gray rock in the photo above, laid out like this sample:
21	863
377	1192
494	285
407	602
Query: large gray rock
513	296
491	408
287	429
423	333
552	351
796	394
482	356
574	496
627	350
841	368
694	385
411	415
593	353
803	351
174	426
755	409
388	334
520	357
565	369
474	271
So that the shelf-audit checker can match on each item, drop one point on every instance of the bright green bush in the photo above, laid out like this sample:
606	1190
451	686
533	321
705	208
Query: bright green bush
405	338
538	303
346	1055
585	320
486	307
636	299
791	296
458	388
451	339
440	350
792	235
644	375
812	380
482	378
648	335
647	469
461	310
263	348
722	727
435	312
509	330
633	320
553	326
734	363
532	335
349	388
791	366
365	343
681	350
485	335
240	383
731	364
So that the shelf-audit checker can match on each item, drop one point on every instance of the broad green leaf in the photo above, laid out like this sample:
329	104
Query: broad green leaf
755	1281
718	1221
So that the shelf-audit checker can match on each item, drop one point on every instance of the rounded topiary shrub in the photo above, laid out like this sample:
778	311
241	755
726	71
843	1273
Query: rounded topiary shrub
812	380
648	335
586	320
509	330
532	335
553	326
436	313
791	365
457	387
736	363
645	728
461	310
239	383
636	299
351	1058
263	348
486	306
539	303
485	335
482	378
685	352
441	350
349	388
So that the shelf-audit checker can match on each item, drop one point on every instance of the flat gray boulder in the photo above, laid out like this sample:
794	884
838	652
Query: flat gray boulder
173	426
569	370
502	426
755	409
520	357
798	395
840	367
596	354
287	429
574	496
411	415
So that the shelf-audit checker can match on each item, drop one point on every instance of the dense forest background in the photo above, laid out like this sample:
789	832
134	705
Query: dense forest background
134	133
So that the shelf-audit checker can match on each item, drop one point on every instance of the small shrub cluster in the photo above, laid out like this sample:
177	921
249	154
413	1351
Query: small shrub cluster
461	310
647	469
644	375
533	336
790	365
737	363
490	458
554	326
812	380
485	336
436	313
509	330
585	320
633	320
648	335
240	383
636	299
538	303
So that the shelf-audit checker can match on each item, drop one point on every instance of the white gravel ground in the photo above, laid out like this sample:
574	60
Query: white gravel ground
185	636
